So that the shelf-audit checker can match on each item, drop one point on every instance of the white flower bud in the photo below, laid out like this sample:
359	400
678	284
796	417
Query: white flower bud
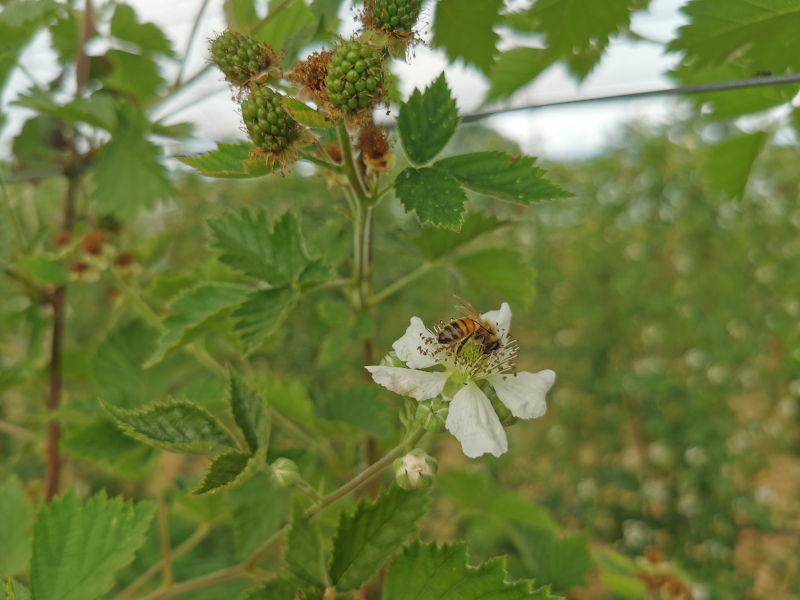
284	473
432	414
416	470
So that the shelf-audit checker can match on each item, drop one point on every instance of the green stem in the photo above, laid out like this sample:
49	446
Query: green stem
244	568
321	163
192	35
399	284
135	300
198	536
350	169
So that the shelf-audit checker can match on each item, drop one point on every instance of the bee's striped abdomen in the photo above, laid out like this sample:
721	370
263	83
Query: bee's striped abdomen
456	330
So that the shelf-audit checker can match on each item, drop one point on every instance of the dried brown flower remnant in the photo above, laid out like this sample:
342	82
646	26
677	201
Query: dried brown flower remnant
76	265
92	242
666	585
311	74
125	259
654	555
61	239
334	151
374	146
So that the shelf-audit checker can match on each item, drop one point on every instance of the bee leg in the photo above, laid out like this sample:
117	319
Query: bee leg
461	345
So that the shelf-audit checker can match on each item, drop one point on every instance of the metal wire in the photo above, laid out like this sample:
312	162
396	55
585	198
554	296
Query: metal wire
686	90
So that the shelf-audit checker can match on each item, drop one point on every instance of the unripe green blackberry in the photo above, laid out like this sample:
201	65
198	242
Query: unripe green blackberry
241	57
270	126
396	15
355	77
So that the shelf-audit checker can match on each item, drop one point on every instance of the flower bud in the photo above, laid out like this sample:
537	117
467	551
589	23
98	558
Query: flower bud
416	470
432	414
391	360
284	473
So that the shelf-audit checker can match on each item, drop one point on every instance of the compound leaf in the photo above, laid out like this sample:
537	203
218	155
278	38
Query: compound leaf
77	549
176	425
436	197
427	122
368	537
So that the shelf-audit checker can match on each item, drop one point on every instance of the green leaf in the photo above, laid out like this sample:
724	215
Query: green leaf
18	22
284	22
558	561
435	243
275	254
623	586
258	510
175	131
275	589
117	366
503	270
46	270
516	68
35	146
759	34
362	407
97	110
497	174
133	74
433	572
16	591
176	425
128	173
261	314
65	34
476	492
192	311
427	122
241	13
304	114
608	560
465	30
368	537
250	412
577	31
227	470
148	37
304	553
436	197
289	397
103	443
77	549
730	162
228	161
15	527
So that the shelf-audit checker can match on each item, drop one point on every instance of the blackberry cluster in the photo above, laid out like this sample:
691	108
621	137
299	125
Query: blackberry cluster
396	15
240	57
270	126
355	77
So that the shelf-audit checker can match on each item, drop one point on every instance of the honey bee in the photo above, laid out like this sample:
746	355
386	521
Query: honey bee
471	326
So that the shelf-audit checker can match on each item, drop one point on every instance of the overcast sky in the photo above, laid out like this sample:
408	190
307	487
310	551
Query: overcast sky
555	133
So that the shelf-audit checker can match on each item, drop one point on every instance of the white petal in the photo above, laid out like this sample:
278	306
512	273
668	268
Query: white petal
473	421
501	319
523	393
408	347
420	385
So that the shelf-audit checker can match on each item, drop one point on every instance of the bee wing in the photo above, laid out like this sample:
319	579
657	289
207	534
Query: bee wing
468	310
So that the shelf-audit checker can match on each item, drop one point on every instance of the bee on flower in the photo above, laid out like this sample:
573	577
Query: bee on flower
466	354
